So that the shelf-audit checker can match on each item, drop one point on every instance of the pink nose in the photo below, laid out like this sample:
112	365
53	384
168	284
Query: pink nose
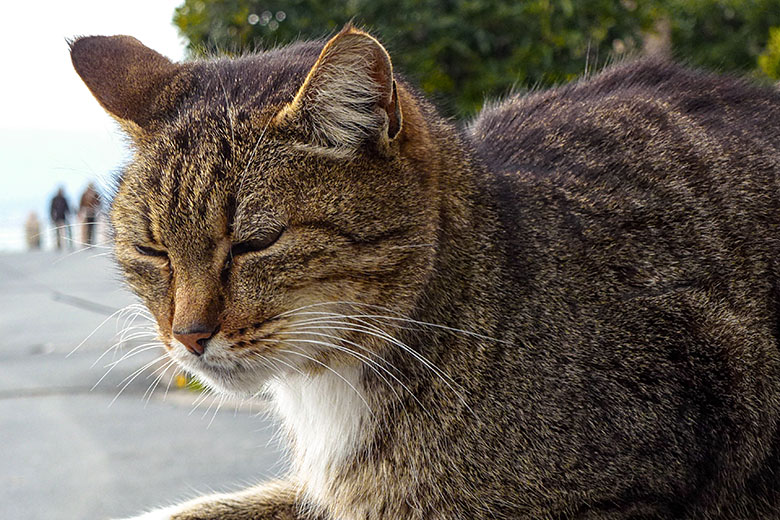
194	339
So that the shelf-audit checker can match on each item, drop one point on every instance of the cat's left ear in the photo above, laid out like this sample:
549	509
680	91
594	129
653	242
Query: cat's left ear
349	97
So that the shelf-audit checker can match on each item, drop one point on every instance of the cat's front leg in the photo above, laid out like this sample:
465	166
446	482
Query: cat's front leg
272	501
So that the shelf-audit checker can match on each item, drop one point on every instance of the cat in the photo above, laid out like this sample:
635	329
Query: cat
567	308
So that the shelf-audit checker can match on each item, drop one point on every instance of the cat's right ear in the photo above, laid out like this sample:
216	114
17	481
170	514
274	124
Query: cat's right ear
131	81
349	96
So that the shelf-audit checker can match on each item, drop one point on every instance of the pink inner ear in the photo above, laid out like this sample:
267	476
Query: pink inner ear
125	76
382	74
394	114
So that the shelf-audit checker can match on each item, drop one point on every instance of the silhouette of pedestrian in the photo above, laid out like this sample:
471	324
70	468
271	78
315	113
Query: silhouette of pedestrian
89	209
59	213
32	231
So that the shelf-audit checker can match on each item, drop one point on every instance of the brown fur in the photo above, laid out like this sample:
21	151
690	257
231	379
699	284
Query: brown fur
588	278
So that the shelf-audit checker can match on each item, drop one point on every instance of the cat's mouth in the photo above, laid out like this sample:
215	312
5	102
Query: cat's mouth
222	368
244	361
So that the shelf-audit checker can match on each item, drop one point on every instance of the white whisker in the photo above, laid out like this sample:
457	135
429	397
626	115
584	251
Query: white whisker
160	372
221	401
116	345
208	409
374	366
133	376
94	331
134	352
327	319
359	394
199	400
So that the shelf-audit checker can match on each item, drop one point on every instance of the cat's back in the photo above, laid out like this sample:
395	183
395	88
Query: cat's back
648	179
604	124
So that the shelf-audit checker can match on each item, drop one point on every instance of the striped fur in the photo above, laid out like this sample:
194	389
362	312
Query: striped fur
567	309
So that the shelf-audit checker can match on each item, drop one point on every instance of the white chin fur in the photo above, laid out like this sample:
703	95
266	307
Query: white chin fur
220	369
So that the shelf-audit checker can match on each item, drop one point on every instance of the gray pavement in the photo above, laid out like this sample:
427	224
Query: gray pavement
68	451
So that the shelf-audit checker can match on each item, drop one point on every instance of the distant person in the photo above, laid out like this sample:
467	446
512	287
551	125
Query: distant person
88	210
32	231
59	213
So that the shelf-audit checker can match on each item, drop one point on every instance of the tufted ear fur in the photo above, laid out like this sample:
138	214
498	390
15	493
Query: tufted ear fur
131	81
349	96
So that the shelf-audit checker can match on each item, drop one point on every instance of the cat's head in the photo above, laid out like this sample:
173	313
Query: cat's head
268	197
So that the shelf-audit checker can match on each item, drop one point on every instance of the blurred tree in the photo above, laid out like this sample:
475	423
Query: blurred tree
459	51
462	52
769	61
724	35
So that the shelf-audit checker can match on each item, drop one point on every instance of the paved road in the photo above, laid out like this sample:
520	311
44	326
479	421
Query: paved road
68	452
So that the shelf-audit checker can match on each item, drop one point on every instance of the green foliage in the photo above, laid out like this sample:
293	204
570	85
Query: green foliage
769	61
724	35
458	51
462	52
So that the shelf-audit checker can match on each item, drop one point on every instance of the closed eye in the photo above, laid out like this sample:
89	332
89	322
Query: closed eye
150	251
256	244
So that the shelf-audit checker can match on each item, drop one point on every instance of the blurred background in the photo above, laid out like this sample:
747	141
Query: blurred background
463	51
75	341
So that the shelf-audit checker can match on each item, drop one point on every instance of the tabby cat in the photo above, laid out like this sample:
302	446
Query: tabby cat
567	309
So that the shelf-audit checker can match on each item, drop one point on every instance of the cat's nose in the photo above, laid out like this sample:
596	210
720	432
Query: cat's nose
194	339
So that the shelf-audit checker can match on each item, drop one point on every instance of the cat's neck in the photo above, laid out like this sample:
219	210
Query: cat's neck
467	272
326	417
467	255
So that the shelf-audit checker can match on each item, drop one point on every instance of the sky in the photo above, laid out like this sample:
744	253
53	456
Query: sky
52	131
